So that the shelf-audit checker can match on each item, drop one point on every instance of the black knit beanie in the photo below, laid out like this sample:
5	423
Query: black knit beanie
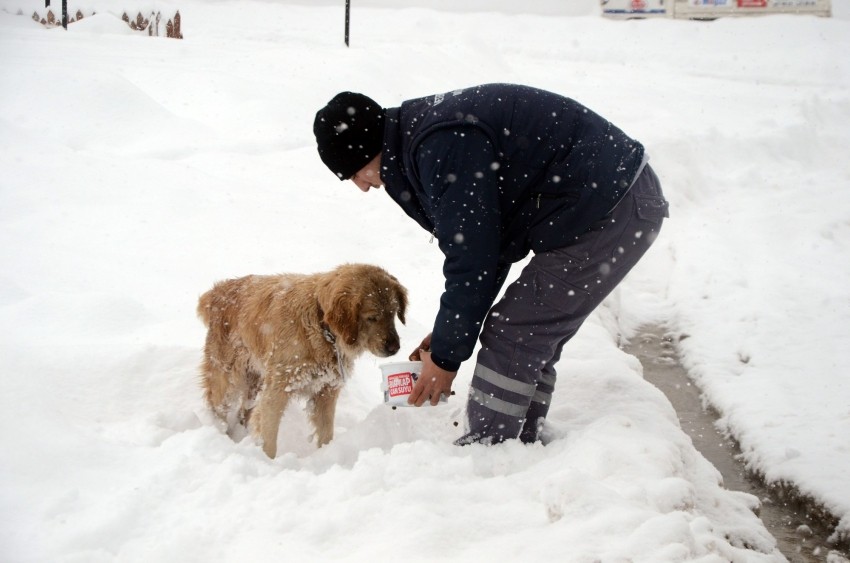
349	133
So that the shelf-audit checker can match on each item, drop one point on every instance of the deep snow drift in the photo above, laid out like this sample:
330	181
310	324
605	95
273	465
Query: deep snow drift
137	171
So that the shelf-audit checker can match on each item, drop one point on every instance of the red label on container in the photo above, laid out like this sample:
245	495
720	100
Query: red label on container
399	384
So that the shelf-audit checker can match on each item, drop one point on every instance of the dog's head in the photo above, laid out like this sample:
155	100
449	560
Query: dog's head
360	303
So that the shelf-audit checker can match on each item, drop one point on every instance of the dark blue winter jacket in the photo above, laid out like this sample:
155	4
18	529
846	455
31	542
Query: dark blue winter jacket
493	172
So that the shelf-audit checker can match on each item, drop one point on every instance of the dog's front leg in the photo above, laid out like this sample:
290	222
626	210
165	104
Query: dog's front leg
322	410
265	419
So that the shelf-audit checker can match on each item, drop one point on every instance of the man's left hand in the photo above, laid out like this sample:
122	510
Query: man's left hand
433	382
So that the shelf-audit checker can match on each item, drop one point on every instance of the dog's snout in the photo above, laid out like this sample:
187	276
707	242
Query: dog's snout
392	344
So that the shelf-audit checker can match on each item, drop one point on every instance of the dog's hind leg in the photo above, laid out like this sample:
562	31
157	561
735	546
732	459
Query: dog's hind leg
253	385
322	408
216	383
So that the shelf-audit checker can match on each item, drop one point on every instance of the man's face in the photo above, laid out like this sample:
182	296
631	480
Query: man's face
369	176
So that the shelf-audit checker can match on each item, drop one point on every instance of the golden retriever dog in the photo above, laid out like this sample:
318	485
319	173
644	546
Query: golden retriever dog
270	338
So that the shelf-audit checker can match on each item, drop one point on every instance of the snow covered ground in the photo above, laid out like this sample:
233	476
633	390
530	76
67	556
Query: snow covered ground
135	172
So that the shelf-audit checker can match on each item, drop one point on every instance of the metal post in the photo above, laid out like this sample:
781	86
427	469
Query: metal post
347	19
65	14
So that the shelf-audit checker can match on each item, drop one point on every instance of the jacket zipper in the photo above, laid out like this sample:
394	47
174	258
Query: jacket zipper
549	196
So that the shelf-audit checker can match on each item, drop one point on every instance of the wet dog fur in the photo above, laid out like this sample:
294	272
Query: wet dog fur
270	338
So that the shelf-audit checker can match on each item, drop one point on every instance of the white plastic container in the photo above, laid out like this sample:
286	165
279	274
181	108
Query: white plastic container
397	383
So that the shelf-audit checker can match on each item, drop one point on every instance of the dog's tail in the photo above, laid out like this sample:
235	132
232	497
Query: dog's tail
205	307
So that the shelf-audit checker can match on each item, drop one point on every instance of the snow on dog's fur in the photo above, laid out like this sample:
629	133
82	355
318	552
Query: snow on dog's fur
272	337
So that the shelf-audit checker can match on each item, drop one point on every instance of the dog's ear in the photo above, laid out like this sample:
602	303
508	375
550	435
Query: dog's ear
341	307
401	295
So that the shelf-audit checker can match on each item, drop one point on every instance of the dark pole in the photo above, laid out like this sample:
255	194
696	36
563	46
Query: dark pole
65	14
347	19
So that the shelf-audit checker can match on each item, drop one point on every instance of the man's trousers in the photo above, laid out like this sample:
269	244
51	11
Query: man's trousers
526	330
